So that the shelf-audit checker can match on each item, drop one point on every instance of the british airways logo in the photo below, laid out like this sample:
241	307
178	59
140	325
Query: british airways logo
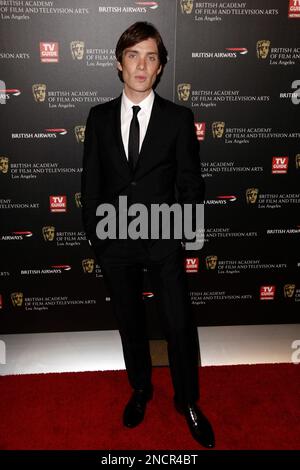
152	5
6	93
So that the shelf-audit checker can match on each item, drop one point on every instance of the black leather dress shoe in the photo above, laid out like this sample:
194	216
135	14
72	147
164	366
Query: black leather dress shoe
199	425
135	409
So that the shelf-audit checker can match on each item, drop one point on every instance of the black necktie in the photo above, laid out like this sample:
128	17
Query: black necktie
134	138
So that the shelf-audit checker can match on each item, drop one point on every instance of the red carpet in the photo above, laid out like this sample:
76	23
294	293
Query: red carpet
250	407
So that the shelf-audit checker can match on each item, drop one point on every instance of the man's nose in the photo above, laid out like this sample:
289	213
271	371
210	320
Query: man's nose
141	63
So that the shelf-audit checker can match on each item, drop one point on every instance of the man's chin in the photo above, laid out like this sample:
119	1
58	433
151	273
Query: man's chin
141	88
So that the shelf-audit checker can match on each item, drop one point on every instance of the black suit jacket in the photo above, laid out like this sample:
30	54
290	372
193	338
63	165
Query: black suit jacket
168	169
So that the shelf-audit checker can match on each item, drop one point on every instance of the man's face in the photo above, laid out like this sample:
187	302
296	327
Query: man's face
140	67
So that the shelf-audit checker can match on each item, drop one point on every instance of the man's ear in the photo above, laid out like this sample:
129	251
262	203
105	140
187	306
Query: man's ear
159	70
119	66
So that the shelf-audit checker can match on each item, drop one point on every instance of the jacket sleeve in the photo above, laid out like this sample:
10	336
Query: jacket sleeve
90	178
189	182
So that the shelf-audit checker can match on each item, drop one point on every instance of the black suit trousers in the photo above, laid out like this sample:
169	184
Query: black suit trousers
124	279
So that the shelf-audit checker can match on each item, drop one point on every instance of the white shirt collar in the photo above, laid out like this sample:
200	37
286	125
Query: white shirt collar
145	105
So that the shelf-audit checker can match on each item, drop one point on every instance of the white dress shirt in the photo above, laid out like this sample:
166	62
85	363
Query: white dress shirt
143	117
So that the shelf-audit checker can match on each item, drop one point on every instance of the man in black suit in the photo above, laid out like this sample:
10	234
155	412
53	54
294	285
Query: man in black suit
143	147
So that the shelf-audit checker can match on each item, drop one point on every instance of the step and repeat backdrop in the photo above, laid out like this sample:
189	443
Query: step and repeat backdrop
236	65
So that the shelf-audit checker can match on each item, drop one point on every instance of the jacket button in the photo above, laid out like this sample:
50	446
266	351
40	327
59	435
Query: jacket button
133	183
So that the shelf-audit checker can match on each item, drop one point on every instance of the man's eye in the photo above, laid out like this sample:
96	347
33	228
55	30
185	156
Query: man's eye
152	58
131	56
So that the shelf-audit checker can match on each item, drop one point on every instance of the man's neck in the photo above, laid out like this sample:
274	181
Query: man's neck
136	97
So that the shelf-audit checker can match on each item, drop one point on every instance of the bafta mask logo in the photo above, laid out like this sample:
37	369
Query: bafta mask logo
186	6
4	163
79	133
263	48
17	299
218	128
39	92
77	49
48	233
251	195
298	161
88	265
289	290
211	262
183	91
78	200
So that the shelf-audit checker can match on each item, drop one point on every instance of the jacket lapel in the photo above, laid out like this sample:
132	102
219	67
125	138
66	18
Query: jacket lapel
121	153
152	135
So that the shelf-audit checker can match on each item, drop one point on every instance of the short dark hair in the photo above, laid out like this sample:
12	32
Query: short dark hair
138	32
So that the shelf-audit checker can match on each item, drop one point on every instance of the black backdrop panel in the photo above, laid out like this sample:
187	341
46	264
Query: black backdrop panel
236	65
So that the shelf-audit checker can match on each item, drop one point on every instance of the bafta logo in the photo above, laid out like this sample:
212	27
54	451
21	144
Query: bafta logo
39	92
17	299
298	161
186	6
48	233
211	262
289	290
251	195
77	49
79	133
4	162
78	200
263	48
183	91
88	265
218	128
